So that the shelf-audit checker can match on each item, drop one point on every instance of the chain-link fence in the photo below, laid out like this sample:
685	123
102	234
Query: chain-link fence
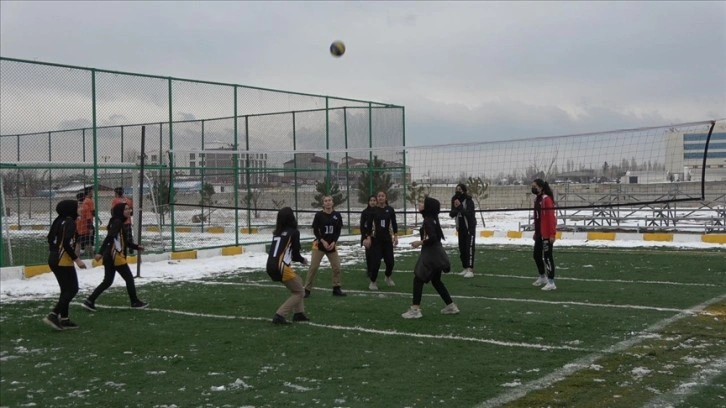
219	159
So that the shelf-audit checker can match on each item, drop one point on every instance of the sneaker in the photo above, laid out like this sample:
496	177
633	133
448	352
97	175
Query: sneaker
307	294
412	313
297	317
468	273
549	286
540	281
450	309
88	305
139	305
68	324
53	321
390	281
373	286
277	319
338	292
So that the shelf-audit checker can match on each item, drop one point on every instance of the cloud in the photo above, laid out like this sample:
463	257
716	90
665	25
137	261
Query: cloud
472	69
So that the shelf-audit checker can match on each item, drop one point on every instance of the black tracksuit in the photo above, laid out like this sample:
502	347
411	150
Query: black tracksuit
384	223
465	227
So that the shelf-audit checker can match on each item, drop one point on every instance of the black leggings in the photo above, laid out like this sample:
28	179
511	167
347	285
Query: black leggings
379	250
543	258
68	282
436	282
109	272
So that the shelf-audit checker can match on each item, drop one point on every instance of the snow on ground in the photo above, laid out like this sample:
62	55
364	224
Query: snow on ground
45	285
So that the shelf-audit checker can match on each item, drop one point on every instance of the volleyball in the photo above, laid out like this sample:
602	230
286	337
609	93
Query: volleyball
337	48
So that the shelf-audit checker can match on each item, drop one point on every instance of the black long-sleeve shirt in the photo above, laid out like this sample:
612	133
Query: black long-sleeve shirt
284	250
366	223
385	223
327	227
464	214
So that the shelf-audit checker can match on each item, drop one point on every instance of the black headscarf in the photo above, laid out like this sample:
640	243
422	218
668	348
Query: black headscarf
117	213
431	209
65	209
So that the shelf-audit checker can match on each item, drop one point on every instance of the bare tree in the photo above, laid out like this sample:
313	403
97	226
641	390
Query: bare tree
478	190
416	193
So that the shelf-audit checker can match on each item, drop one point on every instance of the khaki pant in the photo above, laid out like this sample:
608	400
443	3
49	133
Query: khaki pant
315	259
295	302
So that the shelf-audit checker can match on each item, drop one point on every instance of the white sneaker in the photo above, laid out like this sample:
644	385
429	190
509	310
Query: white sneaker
450	309
540	281
412	313
390	281
549	286
464	272
373	286
469	273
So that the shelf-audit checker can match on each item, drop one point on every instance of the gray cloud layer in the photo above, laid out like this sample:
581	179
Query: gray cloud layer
468	71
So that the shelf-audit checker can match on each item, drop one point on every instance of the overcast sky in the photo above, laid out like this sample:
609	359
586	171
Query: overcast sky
465	71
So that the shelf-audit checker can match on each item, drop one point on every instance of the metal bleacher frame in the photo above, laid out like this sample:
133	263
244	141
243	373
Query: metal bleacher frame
622	212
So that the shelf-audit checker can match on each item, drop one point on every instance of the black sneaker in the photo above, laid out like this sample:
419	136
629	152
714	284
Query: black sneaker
88	305
300	317
338	292
307	294
53	321
277	319
68	324
139	305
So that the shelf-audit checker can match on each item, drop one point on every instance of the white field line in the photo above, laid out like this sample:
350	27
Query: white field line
364	330
389	293
586	361
682	391
565	279
608	280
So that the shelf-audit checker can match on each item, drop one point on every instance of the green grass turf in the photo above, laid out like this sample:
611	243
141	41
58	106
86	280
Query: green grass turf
210	342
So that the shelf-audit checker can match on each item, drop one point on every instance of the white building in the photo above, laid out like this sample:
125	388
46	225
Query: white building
685	153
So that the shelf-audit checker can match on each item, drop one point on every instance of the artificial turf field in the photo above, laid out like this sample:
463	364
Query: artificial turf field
625	328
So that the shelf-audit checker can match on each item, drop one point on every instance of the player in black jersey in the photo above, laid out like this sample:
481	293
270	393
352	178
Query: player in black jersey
385	237
285	249
326	228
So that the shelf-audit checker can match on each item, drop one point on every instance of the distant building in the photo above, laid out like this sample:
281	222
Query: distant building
684	156
309	167
218	166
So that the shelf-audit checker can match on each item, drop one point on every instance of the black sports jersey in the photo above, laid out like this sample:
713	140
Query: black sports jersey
366	223
385	222
62	242
285	249
327	227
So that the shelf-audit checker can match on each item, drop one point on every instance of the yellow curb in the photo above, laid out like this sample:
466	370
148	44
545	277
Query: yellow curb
152	228
184	255
39	227
35	270
514	234
236	250
183	229
355	231
215	230
714	238
658	236
486	234
246	230
14	227
601	236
